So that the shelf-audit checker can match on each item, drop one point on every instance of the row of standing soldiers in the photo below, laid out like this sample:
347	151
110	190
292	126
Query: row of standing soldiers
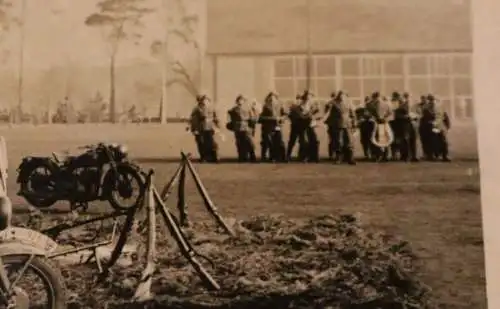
425	119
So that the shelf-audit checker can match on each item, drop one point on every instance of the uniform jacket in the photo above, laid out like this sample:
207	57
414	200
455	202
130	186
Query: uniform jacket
434	113
304	113
379	110
203	118
402	109
271	115
341	115
241	118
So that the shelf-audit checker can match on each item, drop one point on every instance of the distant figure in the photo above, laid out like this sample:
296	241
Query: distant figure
381	112
366	126
204	122
308	115
241	120
295	127
330	129
271	120
342	121
437	121
255	109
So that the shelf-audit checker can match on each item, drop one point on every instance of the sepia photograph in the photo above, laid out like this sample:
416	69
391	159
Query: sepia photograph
239	154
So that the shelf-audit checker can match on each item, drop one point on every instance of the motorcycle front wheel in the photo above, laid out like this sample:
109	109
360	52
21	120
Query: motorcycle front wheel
30	279
127	188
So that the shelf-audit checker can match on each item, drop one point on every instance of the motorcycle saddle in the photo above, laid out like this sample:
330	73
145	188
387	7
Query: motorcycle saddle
61	157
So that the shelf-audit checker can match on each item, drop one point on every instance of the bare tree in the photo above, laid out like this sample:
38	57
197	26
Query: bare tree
7	19
189	75
120	21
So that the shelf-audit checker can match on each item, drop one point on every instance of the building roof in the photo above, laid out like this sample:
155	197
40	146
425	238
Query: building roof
279	26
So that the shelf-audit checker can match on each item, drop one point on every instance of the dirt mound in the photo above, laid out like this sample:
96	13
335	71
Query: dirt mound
325	262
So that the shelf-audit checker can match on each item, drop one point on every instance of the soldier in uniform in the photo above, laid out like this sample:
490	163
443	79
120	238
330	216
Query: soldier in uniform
203	123
381	112
330	129
342	120
423	129
271	120
403	128
241	118
365	126
437	121
308	115
411	118
295	127
255	110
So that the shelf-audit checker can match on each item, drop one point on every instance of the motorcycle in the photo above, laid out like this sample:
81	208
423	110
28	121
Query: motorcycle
103	172
25	269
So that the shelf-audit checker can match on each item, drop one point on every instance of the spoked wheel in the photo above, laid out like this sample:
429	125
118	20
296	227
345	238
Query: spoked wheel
128	188
35	283
37	187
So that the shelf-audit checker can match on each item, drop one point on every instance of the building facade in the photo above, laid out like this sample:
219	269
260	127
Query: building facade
359	46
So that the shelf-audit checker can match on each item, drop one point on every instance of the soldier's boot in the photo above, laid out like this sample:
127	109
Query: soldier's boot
413	150
330	151
444	149
263	151
366	151
337	157
349	156
405	152
252	156
303	153
314	152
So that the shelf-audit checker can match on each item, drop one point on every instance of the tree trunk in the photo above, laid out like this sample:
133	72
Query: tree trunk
112	91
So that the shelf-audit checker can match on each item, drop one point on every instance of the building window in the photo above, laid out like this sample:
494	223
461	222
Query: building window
285	87
462	86
325	67
300	69
372	67
371	85
418	65
463	108
418	85
440	65
325	86
350	66
440	86
448	76
352	87
283	67
392	84
462	65
393	66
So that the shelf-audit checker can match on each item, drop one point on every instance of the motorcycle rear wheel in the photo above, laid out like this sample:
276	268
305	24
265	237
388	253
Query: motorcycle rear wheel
51	277
34	199
125	172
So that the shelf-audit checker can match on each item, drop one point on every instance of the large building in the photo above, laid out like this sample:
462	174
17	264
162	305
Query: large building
360	46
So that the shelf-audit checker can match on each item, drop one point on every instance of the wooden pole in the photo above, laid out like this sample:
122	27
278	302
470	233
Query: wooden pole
181	197
122	240
176	233
206	199
143	291
20	80
167	190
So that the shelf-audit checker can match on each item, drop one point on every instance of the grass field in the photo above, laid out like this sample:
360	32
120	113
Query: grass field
436	206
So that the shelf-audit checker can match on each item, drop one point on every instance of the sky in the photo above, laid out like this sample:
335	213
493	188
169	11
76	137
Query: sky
55	32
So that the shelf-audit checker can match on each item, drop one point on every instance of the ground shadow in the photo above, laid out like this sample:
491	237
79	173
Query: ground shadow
229	160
